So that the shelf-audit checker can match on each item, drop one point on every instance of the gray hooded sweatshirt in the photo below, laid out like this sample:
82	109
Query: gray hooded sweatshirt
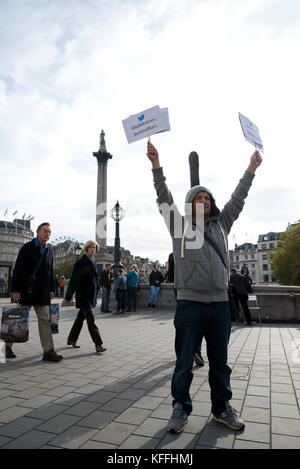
199	273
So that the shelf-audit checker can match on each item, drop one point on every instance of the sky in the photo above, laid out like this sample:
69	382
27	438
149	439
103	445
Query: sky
70	69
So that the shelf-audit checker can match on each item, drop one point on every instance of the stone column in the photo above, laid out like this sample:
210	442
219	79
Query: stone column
101	208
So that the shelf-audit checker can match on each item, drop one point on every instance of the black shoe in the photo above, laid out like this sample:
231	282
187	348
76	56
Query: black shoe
199	359
8	352
153	306
99	348
51	356
149	306
70	342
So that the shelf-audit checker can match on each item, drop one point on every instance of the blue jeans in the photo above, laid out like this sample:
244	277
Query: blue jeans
193	321
153	295
105	299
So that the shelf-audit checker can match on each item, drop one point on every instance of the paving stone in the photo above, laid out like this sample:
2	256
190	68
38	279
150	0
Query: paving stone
217	435
285	442
164	411
59	423
259	382
134	416
255	414
70	399
257	401
178	441
31	440
13	413
19	426
30	393
92	444
61	390
74	437
285	410
139	442
258	391
162	391
284	426
9	402
47	412
117	405
148	402
4	440
114	433
255	432
244	444
82	409
152	427
283	398
286	388
98	419
37	401
132	394
101	396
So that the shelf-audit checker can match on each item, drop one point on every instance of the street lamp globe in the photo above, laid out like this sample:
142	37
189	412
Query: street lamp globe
117	213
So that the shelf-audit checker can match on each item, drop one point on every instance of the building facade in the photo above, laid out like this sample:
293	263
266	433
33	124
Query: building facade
265	244
246	255
12	237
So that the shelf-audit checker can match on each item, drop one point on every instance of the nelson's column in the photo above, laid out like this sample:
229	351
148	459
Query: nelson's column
102	257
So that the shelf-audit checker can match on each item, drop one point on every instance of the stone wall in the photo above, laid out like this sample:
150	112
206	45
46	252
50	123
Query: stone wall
276	303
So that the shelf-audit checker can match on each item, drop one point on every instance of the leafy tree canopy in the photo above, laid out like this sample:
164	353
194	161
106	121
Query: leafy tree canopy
286	257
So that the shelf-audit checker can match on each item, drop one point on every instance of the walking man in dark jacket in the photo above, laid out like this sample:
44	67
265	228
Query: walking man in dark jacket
28	258
156	278
242	288
201	281
106	279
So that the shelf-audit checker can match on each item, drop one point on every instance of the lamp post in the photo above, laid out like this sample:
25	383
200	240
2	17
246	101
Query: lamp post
117	214
77	251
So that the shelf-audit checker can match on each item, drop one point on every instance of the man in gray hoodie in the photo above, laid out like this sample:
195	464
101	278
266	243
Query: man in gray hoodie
201	280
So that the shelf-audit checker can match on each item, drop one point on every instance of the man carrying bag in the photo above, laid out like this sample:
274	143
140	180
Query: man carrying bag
32	285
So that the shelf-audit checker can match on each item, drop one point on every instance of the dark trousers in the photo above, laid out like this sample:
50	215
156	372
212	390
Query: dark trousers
193	321
131	297
121	295
243	298
77	326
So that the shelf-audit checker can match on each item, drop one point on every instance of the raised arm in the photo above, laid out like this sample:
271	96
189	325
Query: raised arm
164	200
235	205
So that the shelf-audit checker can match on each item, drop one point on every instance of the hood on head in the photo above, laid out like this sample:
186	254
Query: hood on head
215	212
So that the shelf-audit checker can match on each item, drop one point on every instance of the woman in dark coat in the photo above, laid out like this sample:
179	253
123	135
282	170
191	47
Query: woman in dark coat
84	281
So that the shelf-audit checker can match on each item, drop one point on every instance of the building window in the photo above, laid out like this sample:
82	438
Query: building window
266	278
253	266
252	256
271	245
265	267
264	257
264	246
237	258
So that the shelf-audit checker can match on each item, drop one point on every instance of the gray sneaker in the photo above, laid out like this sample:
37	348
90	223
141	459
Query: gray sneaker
230	418
178	419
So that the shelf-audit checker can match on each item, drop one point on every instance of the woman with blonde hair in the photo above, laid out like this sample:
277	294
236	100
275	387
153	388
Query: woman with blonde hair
132	287
84	281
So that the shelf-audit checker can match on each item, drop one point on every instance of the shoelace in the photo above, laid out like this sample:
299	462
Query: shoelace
231	411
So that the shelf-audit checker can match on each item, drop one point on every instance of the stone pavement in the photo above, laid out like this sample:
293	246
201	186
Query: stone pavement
121	398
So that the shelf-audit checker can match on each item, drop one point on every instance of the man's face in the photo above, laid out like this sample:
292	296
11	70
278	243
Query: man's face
44	234
202	198
108	267
153	268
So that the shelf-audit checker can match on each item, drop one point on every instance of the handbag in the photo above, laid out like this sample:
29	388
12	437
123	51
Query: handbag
232	304
54	317
15	324
29	290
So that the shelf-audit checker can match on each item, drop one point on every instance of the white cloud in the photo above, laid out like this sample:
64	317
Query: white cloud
66	73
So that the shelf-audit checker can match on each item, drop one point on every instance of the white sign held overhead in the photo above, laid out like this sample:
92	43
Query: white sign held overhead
251	132
149	122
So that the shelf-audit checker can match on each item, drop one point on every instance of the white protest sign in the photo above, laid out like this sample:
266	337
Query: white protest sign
146	123
250	132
